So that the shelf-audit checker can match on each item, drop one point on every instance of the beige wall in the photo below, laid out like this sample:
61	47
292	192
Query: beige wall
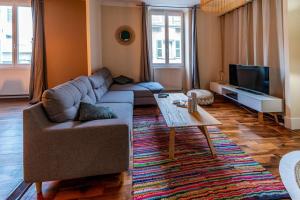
66	43
120	59
94	35
126	59
293	65
209	48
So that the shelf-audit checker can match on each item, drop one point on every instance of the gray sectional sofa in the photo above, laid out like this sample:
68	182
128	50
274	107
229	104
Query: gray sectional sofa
57	146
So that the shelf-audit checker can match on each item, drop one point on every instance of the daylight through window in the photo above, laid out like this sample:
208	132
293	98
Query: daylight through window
167	38
15	35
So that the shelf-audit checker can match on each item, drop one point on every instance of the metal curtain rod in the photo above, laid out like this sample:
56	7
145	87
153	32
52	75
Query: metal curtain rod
166	6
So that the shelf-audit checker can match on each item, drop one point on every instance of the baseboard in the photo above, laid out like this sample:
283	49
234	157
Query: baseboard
292	123
21	96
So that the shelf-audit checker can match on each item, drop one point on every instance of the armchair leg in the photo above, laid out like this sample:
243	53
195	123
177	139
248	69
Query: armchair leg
38	187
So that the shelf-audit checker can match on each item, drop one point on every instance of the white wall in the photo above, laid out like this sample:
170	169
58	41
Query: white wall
94	35
292	78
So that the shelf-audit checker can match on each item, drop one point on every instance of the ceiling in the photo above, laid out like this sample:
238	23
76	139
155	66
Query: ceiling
179	3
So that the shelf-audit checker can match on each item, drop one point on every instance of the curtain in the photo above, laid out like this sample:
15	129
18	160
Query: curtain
253	34
38	80
145	60
194	52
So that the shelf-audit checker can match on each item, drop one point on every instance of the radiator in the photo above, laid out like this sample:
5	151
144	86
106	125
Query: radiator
14	81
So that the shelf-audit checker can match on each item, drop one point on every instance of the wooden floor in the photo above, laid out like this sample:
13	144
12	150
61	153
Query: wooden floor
11	145
265	142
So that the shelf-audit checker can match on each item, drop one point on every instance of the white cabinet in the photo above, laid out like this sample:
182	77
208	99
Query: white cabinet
259	102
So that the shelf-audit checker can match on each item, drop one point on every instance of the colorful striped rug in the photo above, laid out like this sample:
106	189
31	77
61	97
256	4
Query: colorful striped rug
194	174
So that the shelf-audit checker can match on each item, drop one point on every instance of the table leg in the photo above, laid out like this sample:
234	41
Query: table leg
172	143
210	144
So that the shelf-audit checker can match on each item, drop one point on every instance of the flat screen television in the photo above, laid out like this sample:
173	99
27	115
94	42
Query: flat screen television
252	78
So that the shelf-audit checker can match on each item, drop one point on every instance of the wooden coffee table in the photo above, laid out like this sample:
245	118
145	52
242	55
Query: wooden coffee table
177	117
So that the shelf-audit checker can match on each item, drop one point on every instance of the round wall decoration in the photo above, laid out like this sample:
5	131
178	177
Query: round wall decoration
125	35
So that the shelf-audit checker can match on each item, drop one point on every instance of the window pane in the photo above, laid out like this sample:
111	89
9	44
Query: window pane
24	35
158	39
175	39
6	55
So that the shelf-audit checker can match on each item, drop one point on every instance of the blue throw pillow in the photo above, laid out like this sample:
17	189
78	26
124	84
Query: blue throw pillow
88	112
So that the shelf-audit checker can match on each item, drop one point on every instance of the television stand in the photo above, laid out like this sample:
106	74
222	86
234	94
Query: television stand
251	91
260	102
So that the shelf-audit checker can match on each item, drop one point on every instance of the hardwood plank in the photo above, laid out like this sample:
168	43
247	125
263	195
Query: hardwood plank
11	144
266	143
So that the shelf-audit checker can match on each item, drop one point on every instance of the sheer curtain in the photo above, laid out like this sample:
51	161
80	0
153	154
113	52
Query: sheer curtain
253	34
38	79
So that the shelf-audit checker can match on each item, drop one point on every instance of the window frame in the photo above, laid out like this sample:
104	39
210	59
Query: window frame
15	32
166	14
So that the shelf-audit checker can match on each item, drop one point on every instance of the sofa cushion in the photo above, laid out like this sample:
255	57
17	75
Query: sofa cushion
118	97
154	87
138	90
101	80
83	84
124	111
89	112
62	102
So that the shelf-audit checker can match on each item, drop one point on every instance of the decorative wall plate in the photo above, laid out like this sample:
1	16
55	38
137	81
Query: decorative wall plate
125	35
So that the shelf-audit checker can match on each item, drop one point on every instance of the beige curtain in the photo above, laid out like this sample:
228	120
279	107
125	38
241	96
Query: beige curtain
145	61
253	34
38	80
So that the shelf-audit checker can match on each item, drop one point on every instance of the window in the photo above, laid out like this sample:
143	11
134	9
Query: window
25	38
159	49
15	35
178	49
9	14
167	38
156	29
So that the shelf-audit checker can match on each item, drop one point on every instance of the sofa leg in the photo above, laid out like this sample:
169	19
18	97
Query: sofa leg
122	178
38	187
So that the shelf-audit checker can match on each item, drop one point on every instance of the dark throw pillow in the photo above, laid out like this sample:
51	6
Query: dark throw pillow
122	80
88	112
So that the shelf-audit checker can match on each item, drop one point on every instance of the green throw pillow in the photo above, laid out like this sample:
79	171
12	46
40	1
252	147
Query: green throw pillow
88	112
122	80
